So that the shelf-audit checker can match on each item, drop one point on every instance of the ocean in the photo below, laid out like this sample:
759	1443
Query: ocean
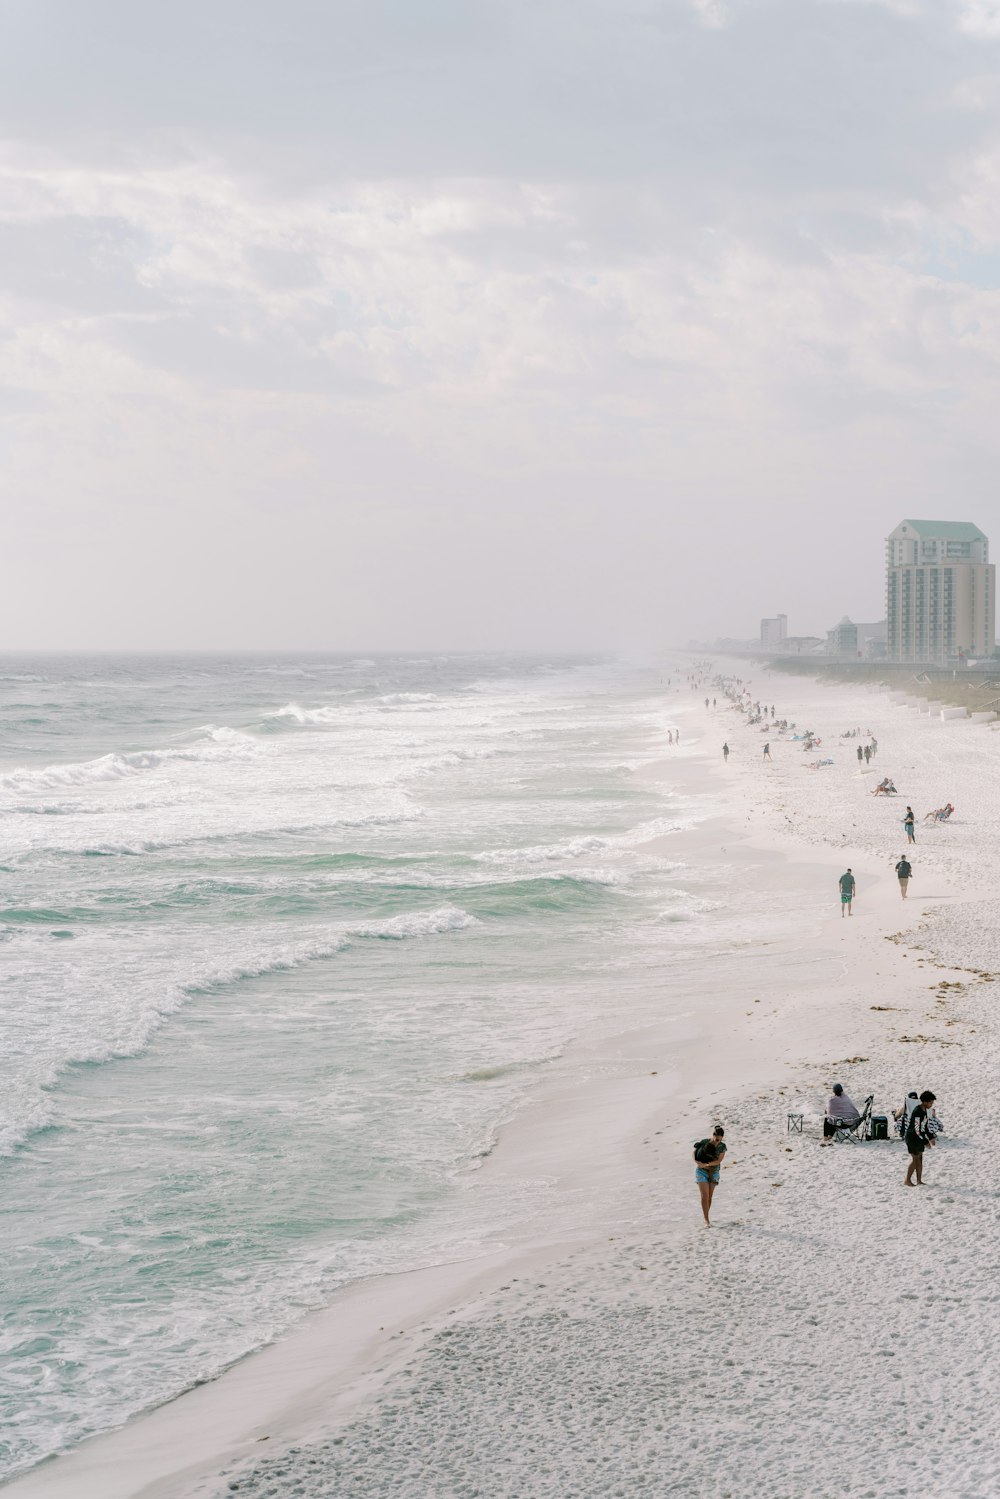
283	942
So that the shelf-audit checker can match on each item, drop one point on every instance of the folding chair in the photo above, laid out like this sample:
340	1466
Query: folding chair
859	1129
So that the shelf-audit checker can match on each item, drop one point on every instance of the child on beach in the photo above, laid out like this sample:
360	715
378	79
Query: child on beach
708	1163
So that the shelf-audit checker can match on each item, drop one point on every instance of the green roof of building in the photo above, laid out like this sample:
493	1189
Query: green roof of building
948	530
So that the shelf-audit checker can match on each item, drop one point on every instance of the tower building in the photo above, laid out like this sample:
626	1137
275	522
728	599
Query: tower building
940	593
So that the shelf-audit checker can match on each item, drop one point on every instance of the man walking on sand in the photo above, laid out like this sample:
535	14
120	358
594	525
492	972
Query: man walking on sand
918	1138
903	871
767	752
847	888
725	752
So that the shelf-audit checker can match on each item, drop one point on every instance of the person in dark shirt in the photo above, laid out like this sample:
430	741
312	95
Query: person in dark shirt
903	871
908	822
847	888
708	1163
918	1138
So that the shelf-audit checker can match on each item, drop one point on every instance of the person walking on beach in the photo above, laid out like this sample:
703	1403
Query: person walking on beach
708	1163
848	885
918	1138
868	753
767	752
908	822
904	869
861	754
725	752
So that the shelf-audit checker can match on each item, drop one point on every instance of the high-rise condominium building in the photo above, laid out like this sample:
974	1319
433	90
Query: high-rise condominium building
940	592
773	631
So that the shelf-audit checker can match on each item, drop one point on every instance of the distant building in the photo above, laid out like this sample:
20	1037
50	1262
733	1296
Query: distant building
871	641
940	592
773	631
802	645
842	640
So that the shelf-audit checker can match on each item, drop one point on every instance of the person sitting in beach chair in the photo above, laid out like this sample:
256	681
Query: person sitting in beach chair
840	1108
885	788
902	1114
940	814
844	1119
860	1128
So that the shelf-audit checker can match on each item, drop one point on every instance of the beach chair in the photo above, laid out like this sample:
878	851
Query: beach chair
859	1129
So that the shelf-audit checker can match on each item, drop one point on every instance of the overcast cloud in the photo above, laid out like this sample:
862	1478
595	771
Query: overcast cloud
382	323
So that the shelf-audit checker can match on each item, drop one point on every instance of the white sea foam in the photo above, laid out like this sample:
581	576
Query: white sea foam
419	924
396	699
445	761
571	848
299	715
220	744
606	876
116	1019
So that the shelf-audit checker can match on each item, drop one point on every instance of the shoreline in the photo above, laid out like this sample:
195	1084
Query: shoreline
225	1417
592	1127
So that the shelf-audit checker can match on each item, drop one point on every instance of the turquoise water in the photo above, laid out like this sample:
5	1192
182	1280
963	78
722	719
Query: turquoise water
282	941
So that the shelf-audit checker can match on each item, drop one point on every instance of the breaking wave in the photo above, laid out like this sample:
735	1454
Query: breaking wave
133	1029
220	744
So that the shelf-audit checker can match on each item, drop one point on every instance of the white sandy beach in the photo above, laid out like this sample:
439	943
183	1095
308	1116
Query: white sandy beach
833	1333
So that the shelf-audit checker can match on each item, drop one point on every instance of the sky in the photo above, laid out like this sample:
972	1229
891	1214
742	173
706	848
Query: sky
414	324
